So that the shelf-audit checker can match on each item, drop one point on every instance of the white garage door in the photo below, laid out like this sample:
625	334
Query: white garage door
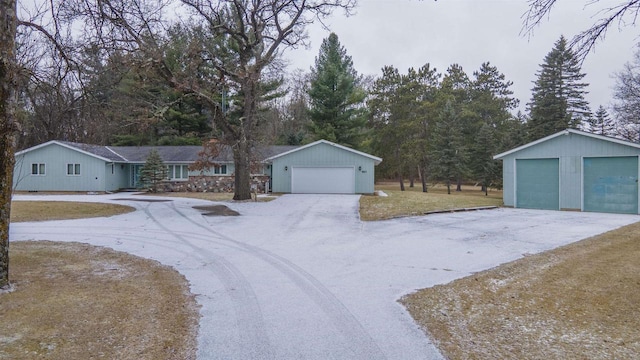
323	180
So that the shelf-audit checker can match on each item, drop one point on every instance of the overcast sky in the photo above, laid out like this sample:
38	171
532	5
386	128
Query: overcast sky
410	33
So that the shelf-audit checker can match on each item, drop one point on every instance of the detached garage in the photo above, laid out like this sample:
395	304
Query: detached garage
323	167
573	170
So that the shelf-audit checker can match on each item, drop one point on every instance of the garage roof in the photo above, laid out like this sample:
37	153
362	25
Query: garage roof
375	159
567	132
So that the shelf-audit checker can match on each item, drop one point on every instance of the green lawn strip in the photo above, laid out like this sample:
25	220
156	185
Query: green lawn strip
413	201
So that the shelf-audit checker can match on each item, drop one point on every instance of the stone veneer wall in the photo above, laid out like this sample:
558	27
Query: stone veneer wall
210	184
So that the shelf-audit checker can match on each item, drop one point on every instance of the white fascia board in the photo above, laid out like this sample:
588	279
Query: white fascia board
567	132
376	159
66	146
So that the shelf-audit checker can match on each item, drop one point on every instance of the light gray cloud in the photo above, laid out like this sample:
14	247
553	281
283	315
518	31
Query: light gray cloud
410	33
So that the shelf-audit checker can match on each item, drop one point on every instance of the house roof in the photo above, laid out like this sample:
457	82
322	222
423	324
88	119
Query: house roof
169	154
567	132
376	159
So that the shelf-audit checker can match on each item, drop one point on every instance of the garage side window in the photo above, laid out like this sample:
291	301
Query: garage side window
220	170
38	169
73	169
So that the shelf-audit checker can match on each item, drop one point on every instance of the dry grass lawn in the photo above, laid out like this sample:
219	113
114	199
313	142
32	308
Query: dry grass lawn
61	210
76	301
580	301
413	201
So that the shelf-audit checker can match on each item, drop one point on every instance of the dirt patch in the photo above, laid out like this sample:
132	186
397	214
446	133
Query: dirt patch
216	210
578	301
76	301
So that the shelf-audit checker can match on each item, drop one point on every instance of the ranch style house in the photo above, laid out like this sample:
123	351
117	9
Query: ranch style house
318	167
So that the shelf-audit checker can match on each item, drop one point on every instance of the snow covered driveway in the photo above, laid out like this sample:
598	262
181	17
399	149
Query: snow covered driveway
302	278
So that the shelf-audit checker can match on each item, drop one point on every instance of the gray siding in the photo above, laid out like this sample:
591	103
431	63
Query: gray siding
92	171
323	155
570	150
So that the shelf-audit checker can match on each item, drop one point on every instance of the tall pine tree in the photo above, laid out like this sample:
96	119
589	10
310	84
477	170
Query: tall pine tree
336	97
490	105
558	94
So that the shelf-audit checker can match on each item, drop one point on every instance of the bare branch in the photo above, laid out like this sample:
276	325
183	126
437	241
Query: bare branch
623	14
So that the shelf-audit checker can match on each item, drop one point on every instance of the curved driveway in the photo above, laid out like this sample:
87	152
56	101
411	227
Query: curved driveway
302	277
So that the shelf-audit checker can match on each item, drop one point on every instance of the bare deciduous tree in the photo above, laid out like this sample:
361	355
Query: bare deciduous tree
622	14
232	46
626	105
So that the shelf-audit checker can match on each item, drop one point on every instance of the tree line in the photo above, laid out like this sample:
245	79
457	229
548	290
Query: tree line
428	126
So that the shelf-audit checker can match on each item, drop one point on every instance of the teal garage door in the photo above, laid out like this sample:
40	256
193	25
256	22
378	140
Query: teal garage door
611	184
538	184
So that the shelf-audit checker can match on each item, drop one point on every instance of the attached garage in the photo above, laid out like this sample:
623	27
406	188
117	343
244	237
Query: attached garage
573	170
326	180
538	184
323	167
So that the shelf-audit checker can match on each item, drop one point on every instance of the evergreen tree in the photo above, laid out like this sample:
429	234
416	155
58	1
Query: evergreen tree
336	96
154	171
388	119
558	94
484	168
456	90
448	154
489	109
600	123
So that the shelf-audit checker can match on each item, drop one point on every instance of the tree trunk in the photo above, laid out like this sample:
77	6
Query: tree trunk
411	180
242	142
242	162
459	185
7	127
423	178
448	186
401	180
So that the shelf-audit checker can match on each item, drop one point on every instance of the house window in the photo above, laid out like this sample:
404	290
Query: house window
73	169
220	170
177	172
38	169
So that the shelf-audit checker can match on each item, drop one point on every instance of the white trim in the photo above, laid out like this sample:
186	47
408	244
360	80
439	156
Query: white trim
560	163
582	183
567	132
515	183
376	159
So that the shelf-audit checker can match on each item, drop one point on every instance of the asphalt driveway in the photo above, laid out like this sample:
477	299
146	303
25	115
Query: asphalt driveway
302	277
